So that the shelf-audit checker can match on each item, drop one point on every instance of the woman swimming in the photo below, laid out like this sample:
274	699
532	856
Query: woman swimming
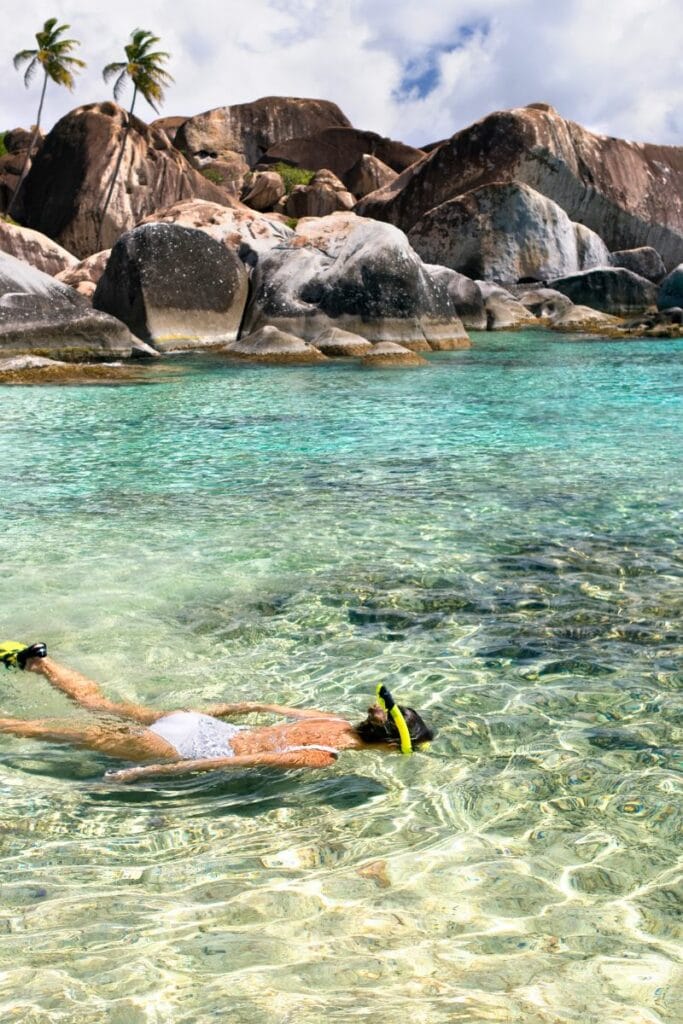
189	741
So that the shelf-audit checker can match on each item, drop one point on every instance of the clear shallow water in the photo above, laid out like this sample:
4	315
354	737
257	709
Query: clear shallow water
499	539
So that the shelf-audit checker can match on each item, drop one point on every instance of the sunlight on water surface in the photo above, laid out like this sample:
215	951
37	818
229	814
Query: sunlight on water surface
498	538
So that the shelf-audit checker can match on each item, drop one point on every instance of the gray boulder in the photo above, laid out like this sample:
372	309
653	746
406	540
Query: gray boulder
555	310
464	294
671	289
373	284
246	232
611	290
174	286
41	317
645	261
505	231
503	311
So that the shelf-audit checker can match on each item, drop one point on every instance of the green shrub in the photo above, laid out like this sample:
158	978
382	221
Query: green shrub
2	143
292	222
215	176
292	176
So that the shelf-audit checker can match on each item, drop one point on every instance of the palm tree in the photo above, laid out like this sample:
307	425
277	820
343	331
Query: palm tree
143	67
54	55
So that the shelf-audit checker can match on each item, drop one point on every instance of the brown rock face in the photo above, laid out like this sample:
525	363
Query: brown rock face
338	149
66	187
266	188
252	128
32	247
630	193
367	175
84	276
326	194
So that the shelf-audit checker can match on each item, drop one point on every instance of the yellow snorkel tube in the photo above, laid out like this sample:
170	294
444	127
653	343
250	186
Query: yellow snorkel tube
388	704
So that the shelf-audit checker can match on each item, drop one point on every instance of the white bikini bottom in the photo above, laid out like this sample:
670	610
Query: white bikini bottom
195	736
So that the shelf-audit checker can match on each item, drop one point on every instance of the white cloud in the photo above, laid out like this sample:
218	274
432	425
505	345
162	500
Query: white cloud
415	71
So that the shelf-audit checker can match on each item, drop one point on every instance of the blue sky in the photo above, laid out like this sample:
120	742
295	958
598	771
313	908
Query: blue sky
416	71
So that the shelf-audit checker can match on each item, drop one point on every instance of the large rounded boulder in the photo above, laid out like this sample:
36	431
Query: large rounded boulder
503	232
250	129
64	193
174	287
339	149
671	290
610	290
644	261
373	284
246	232
629	193
42	317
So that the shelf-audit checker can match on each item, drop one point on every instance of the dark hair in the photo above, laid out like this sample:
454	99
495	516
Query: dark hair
419	731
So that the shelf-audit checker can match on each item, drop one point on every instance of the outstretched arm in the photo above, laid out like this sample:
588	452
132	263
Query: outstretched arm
247	707
308	757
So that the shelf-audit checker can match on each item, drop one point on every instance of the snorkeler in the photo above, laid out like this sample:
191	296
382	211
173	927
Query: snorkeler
190	741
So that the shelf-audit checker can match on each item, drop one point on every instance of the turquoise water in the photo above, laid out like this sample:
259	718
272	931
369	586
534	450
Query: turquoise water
498	538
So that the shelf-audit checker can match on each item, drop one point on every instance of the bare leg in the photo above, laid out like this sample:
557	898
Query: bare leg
115	740
87	693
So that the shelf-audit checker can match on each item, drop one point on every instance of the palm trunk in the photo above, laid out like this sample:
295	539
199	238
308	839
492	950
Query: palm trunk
34	135
115	173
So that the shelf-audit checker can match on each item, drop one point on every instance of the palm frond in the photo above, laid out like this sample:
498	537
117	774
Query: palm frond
30	72
120	84
110	70
20	58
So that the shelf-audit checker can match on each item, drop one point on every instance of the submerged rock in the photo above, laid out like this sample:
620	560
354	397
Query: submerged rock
174	286
271	345
335	342
39	370
385	355
503	232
